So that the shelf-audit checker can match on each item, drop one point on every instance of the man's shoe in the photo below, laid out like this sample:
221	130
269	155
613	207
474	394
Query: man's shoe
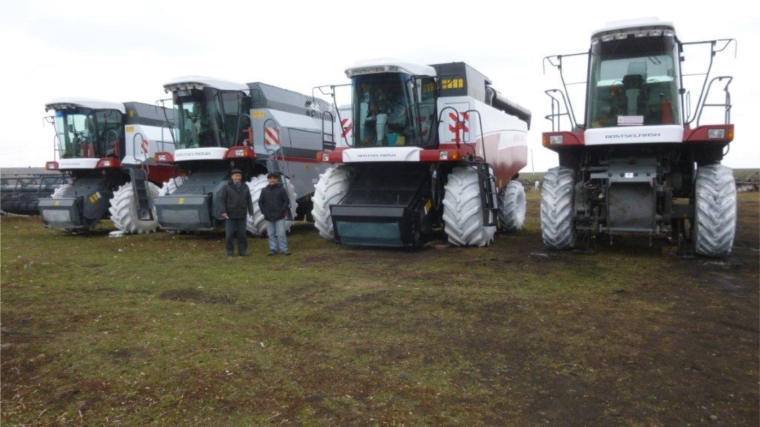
286	253
272	253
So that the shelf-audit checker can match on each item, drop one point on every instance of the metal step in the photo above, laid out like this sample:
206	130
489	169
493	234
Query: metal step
488	196
140	188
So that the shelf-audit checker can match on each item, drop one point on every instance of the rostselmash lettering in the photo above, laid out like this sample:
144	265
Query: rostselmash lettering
376	155
633	135
194	154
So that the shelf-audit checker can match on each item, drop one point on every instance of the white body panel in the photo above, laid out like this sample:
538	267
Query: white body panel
206	153
382	154
291	121
83	163
634	135
513	130
159	139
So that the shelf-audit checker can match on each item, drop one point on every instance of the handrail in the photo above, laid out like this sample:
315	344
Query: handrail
551	117
171	132
705	89
726	105
134	151
482	134
332	128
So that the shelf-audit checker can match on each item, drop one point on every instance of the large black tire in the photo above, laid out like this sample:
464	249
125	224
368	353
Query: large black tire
557	209
256	224
331	188
512	206
715	211
124	213
463	210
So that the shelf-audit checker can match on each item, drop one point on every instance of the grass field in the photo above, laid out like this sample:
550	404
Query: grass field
164	330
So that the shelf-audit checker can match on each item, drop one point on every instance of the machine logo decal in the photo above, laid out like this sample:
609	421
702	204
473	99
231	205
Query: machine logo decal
272	137
94	197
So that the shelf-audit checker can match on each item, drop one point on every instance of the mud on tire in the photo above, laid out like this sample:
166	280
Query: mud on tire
463	210
124	213
512	206
557	209
714	211
331	188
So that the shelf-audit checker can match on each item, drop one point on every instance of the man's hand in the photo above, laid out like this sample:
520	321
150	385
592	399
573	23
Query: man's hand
224	215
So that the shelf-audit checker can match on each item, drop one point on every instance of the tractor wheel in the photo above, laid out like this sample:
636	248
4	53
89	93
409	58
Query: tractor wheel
463	210
512	206
331	188
124	213
170	186
557	208
256	225
715	211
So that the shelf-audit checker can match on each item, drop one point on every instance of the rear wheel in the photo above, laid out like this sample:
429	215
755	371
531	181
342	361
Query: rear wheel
715	211
124	213
256	224
512	206
463	210
557	208
331	188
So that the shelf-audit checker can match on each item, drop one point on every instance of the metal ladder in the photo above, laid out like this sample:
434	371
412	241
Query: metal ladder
489	197
140	186
140	190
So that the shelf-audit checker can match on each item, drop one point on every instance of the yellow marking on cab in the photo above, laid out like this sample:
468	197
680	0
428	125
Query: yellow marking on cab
258	114
452	83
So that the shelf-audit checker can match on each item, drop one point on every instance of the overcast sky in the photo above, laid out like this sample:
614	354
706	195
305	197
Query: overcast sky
125	51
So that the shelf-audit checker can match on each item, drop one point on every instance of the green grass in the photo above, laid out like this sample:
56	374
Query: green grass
164	330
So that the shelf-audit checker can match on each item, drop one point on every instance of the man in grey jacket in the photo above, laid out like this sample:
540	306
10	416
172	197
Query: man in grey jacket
236	205
275	206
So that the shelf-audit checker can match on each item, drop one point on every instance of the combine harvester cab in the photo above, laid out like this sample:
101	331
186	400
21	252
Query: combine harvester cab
430	146
255	127
641	146
105	149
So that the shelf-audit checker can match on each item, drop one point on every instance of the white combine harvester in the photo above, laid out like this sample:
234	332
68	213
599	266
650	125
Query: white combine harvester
431	146
255	127
106	150
640	147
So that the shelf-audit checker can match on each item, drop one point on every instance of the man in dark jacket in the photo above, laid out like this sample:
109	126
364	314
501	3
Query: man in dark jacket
275	206
236	205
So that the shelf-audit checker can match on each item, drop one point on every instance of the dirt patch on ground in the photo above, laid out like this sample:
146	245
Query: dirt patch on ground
509	335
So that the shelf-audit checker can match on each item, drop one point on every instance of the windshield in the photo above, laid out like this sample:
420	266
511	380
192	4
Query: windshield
385	111
633	82
209	117
87	133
